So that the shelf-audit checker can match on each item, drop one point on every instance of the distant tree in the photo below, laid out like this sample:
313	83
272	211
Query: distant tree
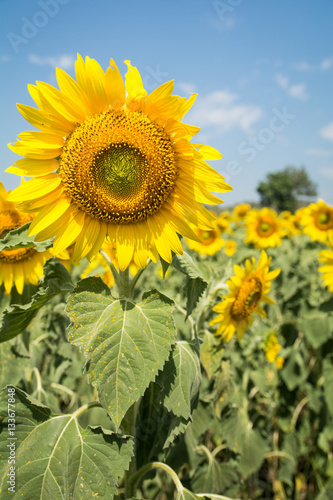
283	190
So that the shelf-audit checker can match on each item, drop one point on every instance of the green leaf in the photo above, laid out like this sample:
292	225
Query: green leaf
195	284
11	366
16	317
17	238
214	477
185	494
125	343
181	379
317	329
56	458
294	371
328	382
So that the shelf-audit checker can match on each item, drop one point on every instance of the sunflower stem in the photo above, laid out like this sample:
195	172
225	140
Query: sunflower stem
138	276
123	284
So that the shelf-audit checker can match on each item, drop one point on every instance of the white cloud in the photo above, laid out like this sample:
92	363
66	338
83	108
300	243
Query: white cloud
327	172
219	109
187	87
327	132
297	90
323	65
282	80
326	63
64	61
319	152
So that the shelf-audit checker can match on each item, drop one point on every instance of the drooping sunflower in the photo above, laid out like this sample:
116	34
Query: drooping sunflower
264	228
248	288
240	211
111	160
317	220
19	265
326	257
210	241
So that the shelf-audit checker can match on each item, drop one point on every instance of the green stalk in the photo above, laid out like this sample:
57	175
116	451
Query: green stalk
129	428
154	465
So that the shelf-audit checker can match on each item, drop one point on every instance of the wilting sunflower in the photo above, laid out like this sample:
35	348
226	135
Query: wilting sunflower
111	160
240	211
326	257
19	265
210	241
317	220
247	289
264	228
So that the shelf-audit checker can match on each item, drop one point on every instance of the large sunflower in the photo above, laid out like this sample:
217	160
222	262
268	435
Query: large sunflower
317	220
111	160
264	228
247	289
19	265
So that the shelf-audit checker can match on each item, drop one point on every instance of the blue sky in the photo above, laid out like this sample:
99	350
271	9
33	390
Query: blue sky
263	71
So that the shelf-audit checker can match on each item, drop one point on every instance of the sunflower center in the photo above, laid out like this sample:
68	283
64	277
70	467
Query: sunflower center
119	167
207	237
266	228
324	220
247	299
17	254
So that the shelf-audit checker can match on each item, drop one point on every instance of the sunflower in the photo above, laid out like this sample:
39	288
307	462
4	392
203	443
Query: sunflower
210	241
223	222
247	288
264	228
240	212
272	349
19	265
317	220
230	247
326	257
111	160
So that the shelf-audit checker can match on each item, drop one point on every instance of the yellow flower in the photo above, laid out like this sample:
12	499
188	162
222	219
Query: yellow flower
248	288
264	228
111	160
326	257
19	265
104	271
223	223
210	241
230	247
240	211
272	349
317	220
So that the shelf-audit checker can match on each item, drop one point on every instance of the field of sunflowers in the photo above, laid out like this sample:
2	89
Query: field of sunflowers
261	304
150	347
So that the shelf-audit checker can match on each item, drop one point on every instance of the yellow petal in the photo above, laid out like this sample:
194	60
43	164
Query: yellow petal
45	122
33	168
114	86
134	85
48	215
125	245
35	188
70	88
66	236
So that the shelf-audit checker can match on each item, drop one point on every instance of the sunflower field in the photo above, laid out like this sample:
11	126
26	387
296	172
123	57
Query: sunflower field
153	346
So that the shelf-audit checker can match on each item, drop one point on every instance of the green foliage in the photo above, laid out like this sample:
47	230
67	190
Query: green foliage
282	190
17	238
125	343
56	457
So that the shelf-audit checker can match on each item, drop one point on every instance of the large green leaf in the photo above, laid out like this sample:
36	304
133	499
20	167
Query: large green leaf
125	343
317	329
12	367
181	379
56	458
214	477
17	238
16	318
